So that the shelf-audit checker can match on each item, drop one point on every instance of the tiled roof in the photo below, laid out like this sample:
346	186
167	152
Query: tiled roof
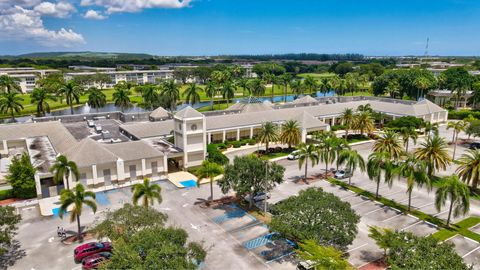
188	112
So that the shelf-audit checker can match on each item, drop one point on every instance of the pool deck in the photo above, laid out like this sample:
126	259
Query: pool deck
177	178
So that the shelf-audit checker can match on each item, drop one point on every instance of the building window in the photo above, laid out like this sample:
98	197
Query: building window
194	127
180	126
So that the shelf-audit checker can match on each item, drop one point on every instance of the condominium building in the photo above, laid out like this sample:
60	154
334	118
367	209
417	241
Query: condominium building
27	77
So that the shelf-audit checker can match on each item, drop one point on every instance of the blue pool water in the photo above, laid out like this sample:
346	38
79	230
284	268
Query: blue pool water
189	183
102	198
56	212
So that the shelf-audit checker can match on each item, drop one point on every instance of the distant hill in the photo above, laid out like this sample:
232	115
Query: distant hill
85	55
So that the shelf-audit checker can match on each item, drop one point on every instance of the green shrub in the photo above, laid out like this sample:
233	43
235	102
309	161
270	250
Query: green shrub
221	146
462	114
214	155
21	176
6	194
338	127
236	144
252	141
405	121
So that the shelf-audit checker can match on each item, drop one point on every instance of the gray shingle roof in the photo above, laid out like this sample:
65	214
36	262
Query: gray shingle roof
88	152
188	112
159	113
133	150
307	120
250	107
304	100
149	129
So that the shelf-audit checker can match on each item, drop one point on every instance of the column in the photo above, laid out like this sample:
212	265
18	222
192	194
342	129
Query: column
94	175
5	147
251	132
304	135
209	137
38	186
120	170
238	134
165	164
144	167
224	135
333	121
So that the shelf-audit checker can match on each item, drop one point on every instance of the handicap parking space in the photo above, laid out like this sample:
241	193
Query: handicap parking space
421	228
463	245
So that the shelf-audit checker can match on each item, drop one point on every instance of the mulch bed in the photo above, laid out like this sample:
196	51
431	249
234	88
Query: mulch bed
375	265
218	202
73	239
10	201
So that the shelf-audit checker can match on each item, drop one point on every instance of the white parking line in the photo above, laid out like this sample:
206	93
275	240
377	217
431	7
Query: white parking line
357	247
368	213
391	218
471	251
360	203
411	225
424	205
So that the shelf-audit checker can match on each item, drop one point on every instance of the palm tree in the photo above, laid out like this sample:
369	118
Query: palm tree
414	171
9	84
40	96
121	98
364	122
458	194
325	86
297	87
305	153
228	90
352	160
327	153
389	143
171	93
457	126
149	96
272	79
434	151
310	83
96	98
76	197
408	133
10	103
148	192
256	87
243	83
268	134
72	93
348	119
393	88
365	108
191	94
352	81
422	84
290	133
211	90
62	169
430	128
285	79
469	167
209	170
379	162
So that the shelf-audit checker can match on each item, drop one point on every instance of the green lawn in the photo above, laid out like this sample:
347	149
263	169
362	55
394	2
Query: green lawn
274	155
316	75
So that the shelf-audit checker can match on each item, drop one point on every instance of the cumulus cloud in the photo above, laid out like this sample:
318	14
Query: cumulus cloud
21	3
94	15
116	6
18	23
60	10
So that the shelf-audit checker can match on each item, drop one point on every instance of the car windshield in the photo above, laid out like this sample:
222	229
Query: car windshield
99	245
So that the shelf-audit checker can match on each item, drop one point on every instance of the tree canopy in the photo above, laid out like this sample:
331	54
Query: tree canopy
316	215
8	226
21	176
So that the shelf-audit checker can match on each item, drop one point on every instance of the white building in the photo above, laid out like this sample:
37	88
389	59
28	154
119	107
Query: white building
27	77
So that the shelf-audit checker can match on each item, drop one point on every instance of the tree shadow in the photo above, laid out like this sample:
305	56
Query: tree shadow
13	254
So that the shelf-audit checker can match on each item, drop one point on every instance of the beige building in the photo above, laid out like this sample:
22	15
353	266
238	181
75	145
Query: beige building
27	77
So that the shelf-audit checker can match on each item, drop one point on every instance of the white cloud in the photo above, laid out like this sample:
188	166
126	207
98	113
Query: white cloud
94	15
21	3
60	10
18	23
116	6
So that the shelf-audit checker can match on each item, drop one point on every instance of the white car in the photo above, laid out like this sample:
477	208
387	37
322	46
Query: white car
91	123
341	174
98	129
293	155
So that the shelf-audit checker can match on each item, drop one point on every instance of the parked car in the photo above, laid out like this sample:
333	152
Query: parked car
306	265
90	123
341	174
261	197
98	128
88	249
293	155
474	146
94	261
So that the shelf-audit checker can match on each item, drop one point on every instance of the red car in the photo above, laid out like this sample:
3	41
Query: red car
88	249
94	261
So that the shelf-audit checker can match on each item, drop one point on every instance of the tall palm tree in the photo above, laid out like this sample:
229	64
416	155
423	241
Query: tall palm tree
348	119
390	143
431	129
469	167
351	79
325	86
272	79
297	87
256	87
62	169
352	160
379	162
327	153
340	145
72	92
211	90
285	79
408	133
148	192
228	90
414	171
305	153
363	122
457	126
121	98
458	194
243	83
422	84
209	170
40	96
268	134
96	98
310	83
9	84
393	88
434	151
171	93
290	133
191	94
76	197
149	96
10	103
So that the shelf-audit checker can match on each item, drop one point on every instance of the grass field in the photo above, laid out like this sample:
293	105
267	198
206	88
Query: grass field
316	75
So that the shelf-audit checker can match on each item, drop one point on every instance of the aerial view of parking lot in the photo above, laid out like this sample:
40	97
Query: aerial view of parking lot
195	135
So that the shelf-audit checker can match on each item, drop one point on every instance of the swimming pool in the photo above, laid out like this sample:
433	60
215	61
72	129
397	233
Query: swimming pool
189	183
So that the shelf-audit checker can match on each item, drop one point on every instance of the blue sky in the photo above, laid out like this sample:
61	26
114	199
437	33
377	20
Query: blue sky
258	27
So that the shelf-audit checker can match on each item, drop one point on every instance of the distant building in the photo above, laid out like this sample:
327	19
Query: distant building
89	68
135	76
446	97
27	77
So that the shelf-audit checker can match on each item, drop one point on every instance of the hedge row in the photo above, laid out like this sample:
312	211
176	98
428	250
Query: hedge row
462	114
6	194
